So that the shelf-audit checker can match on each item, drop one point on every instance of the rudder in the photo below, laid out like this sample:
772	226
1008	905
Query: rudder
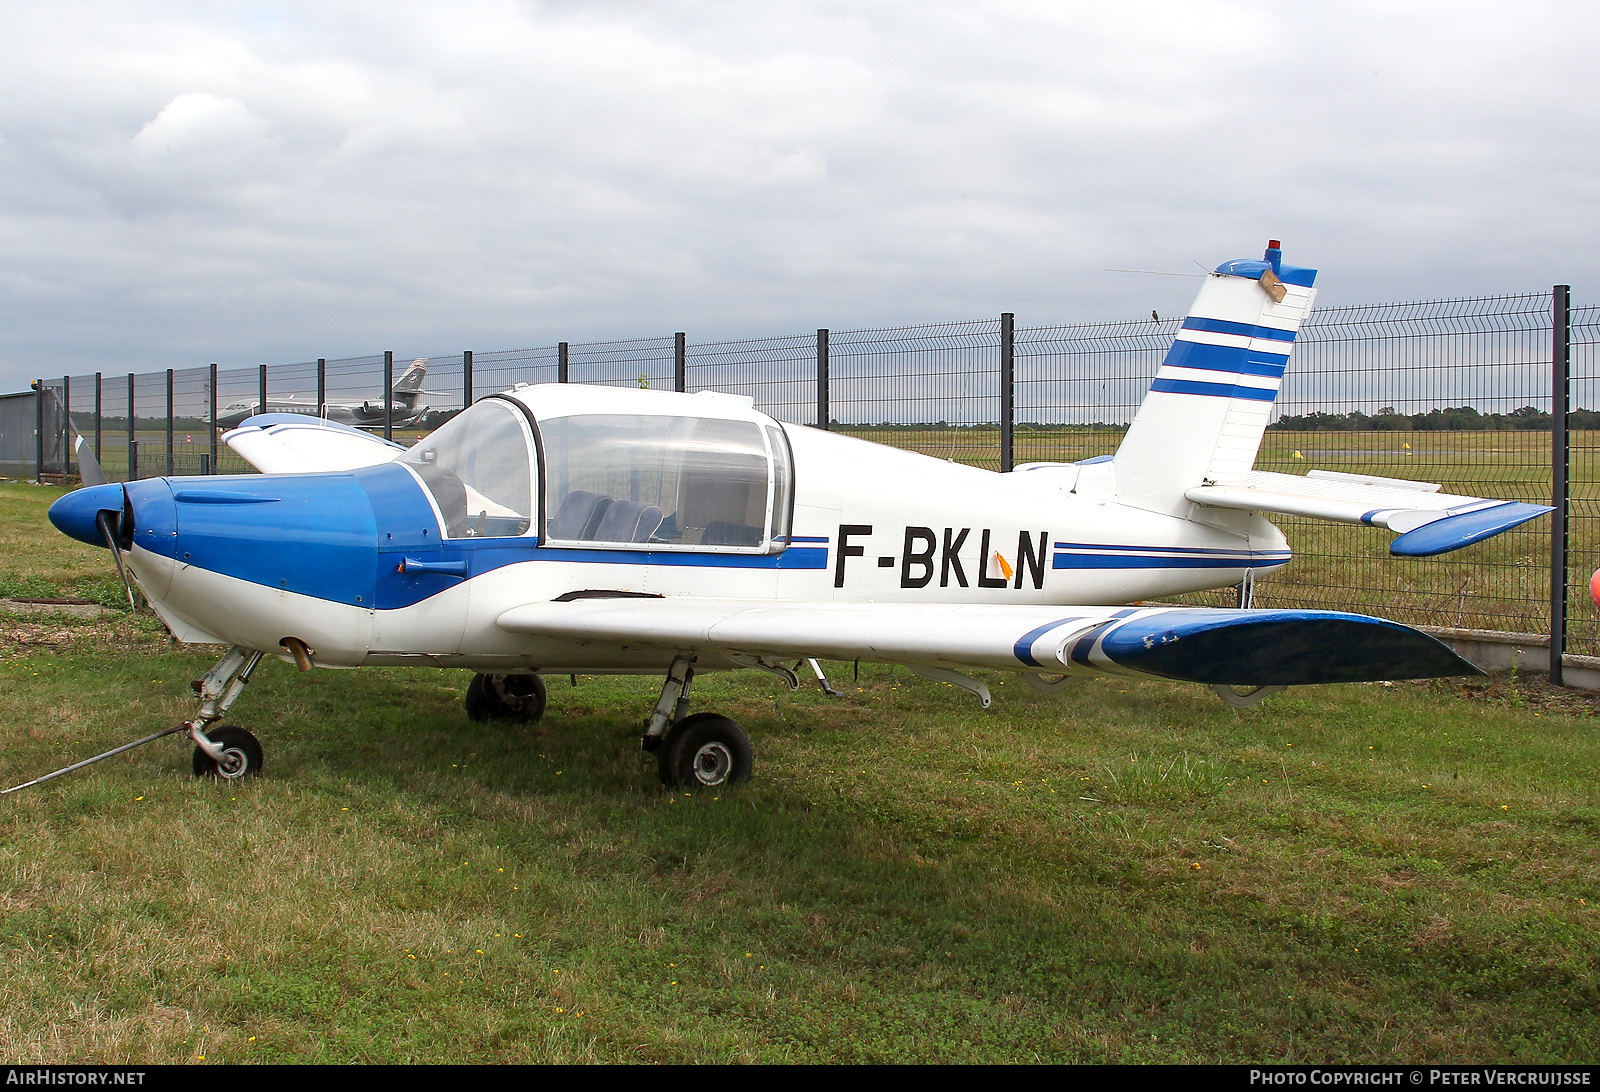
1210	402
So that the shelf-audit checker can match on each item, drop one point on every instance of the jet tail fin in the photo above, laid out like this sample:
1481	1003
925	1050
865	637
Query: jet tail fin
1208	406
409	386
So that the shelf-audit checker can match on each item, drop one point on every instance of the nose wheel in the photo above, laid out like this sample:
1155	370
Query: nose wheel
241	754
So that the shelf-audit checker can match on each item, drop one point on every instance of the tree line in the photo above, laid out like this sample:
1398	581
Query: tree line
1450	419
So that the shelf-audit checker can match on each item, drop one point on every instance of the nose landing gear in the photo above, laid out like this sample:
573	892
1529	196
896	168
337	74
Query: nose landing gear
241	754
226	751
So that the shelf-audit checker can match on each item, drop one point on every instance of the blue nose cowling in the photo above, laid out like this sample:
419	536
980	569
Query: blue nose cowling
76	513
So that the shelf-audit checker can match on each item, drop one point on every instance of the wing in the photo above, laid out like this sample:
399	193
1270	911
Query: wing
289	443
1219	647
1429	522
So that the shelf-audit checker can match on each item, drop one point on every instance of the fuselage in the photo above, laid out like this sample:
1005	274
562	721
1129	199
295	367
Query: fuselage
416	559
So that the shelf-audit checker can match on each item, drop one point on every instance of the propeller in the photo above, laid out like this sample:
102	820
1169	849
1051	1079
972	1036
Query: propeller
111	524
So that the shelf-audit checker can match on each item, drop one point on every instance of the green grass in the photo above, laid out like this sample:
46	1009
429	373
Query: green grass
1127	872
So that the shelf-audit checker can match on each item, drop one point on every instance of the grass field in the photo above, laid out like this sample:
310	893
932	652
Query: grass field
1129	872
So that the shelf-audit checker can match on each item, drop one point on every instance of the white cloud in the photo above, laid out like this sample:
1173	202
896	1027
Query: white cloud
183	183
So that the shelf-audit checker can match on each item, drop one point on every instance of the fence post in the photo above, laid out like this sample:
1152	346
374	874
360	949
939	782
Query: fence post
99	405
822	379
322	386
211	400
680	361
169	423
388	394
261	389
1008	370
38	430
66	426
133	437
563	358
466	378
1560	454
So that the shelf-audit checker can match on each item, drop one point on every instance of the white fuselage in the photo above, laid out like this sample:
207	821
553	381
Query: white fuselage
870	524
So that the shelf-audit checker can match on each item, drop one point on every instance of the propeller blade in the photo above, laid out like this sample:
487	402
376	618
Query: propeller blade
89	468
110	528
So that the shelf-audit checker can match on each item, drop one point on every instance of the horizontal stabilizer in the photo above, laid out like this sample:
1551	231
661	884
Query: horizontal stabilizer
1219	647
1452	521
292	443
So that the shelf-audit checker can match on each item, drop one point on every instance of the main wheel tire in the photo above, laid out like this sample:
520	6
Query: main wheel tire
519	698
705	751
241	754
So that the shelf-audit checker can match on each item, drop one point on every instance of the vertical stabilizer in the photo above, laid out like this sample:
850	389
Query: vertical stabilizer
410	384
1203	417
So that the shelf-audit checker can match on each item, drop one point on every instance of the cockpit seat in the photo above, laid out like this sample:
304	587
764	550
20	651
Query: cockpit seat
628	521
723	533
579	516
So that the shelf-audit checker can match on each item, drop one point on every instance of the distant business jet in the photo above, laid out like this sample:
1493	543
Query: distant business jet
405	410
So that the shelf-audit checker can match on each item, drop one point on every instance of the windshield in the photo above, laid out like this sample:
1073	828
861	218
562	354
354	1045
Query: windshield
479	470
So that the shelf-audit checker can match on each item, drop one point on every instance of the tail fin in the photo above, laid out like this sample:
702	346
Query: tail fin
409	385
1203	418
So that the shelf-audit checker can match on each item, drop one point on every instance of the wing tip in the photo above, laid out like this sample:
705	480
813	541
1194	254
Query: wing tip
1454	532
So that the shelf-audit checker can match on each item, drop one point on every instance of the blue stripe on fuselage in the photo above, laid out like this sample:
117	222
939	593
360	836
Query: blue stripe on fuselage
1190	559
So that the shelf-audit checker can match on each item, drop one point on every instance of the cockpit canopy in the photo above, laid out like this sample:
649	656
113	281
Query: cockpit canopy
674	481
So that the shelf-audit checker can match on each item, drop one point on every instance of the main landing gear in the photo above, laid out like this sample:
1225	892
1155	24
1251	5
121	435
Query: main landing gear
699	750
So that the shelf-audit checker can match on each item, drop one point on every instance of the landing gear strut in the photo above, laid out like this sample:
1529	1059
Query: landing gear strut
227	751
699	751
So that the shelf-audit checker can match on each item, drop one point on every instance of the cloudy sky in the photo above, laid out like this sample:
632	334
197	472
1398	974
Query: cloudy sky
183	183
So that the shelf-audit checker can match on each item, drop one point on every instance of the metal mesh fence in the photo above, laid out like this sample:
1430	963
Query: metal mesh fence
501	371
642	362
932	389
1078	386
780	373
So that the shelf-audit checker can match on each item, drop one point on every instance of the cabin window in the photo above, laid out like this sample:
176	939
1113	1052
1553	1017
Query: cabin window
672	482
478	468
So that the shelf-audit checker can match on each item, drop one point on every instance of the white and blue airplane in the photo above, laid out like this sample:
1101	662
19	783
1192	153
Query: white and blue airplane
572	529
